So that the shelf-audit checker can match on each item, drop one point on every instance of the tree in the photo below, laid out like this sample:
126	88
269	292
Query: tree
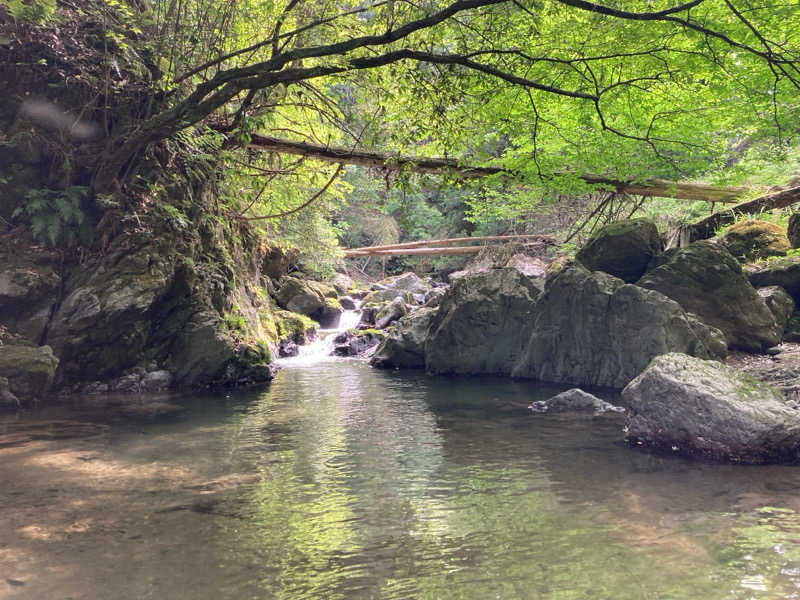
656	88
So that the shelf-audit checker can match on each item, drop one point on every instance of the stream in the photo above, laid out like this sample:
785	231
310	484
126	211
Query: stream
339	481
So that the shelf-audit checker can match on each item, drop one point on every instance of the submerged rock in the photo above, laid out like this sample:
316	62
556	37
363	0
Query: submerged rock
623	249
752	239
404	346
707	281
703	408
482	323
591	328
574	400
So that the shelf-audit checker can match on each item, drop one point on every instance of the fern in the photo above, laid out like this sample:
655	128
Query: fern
56	216
37	12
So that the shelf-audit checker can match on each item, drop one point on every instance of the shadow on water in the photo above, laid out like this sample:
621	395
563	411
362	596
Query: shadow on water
340	481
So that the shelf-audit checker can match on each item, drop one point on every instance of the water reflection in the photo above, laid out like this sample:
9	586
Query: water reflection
339	481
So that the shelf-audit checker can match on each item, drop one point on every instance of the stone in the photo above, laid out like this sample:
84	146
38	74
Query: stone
482	323
201	351
28	291
793	230
288	348
310	298
342	283
623	249
706	280
779	302
156	381
574	400
701	408
593	329
355	342
784	272
400	286
404	346
752	239
390	313
497	257
7	398
28	371
347	303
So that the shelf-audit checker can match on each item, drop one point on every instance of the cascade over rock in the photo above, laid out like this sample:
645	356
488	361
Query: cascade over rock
482	323
703	408
623	249
708	281
591	328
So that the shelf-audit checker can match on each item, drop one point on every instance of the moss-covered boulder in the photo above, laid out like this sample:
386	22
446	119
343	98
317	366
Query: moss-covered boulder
29	371
699	408
295	327
482	323
622	249
708	281
310	298
404	346
593	329
752	239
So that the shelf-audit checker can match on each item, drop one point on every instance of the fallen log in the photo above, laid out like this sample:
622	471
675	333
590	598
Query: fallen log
705	228
449	241
661	188
421	251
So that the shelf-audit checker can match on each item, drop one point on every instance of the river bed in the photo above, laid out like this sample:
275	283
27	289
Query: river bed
341	481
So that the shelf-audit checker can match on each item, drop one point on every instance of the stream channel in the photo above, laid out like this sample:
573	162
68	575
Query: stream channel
339	481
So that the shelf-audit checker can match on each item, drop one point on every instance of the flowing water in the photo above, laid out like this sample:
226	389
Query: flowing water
338	481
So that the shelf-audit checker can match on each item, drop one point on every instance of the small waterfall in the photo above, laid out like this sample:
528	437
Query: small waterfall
321	348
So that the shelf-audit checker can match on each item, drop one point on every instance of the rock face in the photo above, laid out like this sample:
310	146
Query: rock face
622	249
593	329
28	289
27	372
482	323
706	280
703	408
310	298
752	239
779	302
574	400
793	230
784	272
404	347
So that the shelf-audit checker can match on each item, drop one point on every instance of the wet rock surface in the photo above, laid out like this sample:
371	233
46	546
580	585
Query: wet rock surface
706	409
574	400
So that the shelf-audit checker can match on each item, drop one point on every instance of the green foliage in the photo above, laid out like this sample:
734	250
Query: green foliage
57	216
32	11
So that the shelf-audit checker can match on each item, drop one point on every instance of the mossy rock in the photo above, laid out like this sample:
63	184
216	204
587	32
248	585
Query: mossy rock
752	239
622	249
294	326
30	370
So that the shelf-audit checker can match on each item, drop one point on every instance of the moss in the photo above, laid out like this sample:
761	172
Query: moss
753	239
293	325
377	333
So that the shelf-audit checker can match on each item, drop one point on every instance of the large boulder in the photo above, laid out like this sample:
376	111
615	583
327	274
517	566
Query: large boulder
708	281
405	286
310	298
404	347
752	239
622	249
593	329
482	323
27	371
793	230
390	313
784	272
497	257
703	408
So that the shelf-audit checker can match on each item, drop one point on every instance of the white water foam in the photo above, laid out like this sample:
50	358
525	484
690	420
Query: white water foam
320	349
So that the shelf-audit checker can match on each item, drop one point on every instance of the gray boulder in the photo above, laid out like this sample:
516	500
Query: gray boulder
390	313
404	346
708	281
400	286
779	302
28	291
784	272
483	323
592	329
793	230
574	400
356	342
703	408
622	249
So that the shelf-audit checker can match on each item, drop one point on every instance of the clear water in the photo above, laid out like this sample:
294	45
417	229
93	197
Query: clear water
339	481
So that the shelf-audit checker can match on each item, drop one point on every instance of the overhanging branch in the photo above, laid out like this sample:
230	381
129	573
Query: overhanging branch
453	168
